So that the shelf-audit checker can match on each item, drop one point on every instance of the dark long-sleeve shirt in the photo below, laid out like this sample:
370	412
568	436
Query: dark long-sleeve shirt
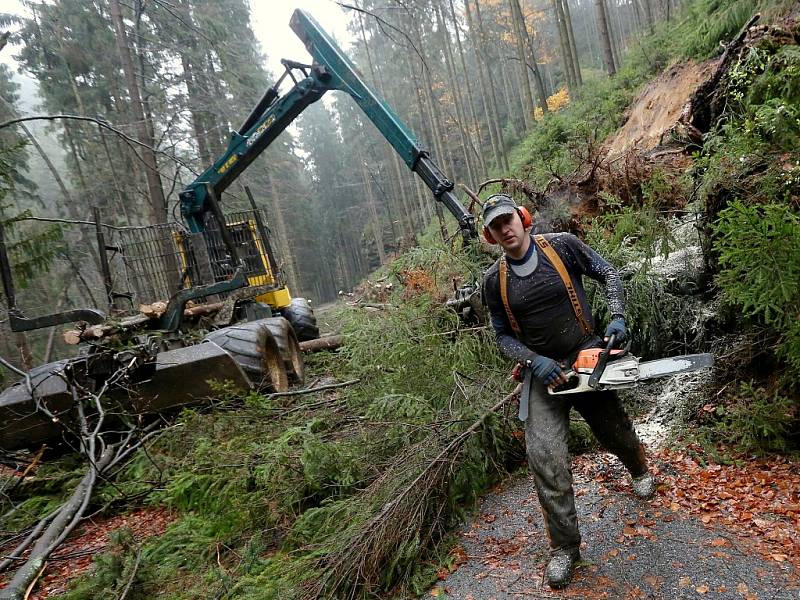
541	306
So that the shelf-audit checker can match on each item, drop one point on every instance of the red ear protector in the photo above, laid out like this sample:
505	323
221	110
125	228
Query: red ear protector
524	216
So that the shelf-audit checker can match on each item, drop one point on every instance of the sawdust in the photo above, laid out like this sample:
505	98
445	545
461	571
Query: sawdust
658	107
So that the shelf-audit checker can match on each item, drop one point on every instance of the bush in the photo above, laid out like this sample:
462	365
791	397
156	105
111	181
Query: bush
753	420
759	257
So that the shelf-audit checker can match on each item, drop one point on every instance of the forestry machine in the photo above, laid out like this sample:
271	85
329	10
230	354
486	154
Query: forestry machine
222	261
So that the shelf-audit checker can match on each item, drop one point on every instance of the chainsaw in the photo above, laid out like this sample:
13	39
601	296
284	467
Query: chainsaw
597	369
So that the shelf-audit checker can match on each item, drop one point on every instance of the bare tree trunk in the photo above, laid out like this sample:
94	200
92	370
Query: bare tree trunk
605	38
158	203
648	14
407	208
492	97
576	66
50	166
24	349
197	120
457	101
377	229
563	39
541	94
283	234
470	104
518	24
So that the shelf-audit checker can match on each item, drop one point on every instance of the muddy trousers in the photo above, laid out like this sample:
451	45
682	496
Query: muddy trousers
546	433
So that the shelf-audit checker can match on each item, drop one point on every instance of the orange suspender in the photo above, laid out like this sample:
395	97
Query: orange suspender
504	296
558	264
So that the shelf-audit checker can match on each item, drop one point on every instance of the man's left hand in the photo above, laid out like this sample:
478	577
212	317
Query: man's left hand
616	327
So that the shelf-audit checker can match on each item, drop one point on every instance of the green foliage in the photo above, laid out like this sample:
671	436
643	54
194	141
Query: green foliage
114	569
709	22
30	253
759	257
752	420
632	238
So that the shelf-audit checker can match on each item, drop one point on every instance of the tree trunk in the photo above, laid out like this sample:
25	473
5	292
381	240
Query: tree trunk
576	66
648	14
283	234
518	24
408	214
457	99
605	37
487	83
471	97
194	110
158	203
541	94
377	228
563	39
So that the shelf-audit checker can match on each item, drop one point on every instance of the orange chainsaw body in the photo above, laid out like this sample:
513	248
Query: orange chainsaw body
587	359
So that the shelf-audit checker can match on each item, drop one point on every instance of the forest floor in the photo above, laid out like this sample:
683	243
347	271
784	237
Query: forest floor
712	531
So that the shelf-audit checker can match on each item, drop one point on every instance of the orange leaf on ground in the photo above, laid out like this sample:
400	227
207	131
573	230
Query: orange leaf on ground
701	589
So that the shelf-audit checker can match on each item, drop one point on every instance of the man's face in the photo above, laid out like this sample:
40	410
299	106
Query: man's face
508	231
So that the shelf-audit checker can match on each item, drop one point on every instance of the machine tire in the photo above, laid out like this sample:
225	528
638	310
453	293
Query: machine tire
302	319
284	335
254	348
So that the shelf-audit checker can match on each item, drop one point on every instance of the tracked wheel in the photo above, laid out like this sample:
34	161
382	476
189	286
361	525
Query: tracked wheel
289	348
254	348
302	319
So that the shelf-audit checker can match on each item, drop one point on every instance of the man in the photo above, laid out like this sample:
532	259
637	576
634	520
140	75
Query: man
542	324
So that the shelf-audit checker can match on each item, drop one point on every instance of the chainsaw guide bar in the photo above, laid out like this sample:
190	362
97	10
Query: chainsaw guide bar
628	371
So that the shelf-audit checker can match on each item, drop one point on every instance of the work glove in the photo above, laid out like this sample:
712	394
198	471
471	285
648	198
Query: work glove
616	327
545	369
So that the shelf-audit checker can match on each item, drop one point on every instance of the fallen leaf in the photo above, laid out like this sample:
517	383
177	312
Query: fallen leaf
653	581
701	589
779	557
718	542
742	588
685	582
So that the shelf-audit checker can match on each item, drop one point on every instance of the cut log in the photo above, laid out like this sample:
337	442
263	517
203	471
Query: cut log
330	342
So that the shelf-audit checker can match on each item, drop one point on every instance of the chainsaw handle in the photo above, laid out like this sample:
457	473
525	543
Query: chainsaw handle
594	378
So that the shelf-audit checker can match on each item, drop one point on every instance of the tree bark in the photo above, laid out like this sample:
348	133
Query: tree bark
605	37
476	128
487	83
156	192
457	99
541	94
527	98
406	223
576	66
563	39
283	234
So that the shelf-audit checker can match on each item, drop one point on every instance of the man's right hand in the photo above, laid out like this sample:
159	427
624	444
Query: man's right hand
547	371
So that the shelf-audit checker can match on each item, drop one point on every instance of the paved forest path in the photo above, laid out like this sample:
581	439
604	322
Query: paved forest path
712	531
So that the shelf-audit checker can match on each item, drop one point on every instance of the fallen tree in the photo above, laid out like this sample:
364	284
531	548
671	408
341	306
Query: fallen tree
102	449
